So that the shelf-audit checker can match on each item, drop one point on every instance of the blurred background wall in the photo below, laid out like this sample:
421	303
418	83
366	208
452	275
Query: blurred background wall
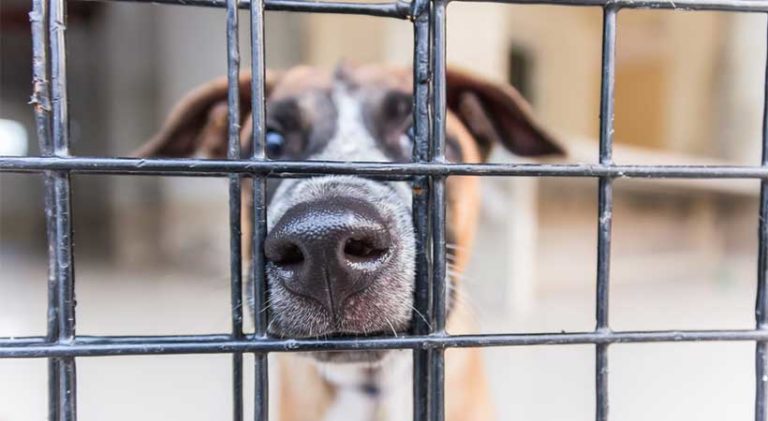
151	253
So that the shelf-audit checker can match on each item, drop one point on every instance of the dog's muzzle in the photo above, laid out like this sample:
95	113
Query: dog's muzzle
340	257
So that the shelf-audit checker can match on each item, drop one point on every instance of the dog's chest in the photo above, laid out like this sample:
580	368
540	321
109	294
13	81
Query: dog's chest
364	393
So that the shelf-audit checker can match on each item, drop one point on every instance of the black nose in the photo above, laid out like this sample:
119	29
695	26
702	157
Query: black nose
328	250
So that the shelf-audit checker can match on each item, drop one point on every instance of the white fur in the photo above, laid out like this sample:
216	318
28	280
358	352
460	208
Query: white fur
353	142
395	399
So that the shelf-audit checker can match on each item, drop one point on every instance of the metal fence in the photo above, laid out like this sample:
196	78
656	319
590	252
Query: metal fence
427	172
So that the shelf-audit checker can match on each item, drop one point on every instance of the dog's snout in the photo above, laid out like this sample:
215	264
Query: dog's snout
330	249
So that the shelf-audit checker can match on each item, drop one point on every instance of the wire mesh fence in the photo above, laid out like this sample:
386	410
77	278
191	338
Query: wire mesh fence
427	173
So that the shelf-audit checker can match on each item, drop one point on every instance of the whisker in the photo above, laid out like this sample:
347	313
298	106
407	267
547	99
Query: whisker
461	296
267	307
421	316
386	319
460	276
453	246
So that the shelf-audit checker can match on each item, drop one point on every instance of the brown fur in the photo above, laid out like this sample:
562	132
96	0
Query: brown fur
303	393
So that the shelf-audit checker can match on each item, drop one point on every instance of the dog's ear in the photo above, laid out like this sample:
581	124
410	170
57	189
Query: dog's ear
197	125
497	113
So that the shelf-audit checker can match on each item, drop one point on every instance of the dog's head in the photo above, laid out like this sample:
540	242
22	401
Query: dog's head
340	249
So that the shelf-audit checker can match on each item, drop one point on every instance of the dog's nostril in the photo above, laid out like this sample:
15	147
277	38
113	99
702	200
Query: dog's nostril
290	254
362	249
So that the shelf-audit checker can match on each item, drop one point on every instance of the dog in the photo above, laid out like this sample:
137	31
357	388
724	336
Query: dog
340	250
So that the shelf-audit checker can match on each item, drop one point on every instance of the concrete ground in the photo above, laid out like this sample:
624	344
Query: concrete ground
708	381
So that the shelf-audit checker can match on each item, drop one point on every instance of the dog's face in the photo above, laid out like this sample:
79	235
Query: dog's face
340	250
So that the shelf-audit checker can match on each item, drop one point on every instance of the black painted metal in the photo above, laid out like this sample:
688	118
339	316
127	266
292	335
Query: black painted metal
398	10
422	76
222	168
222	344
259	211
235	199
60	243
401	9
721	5
42	105
427	173
761	305
605	211
438	204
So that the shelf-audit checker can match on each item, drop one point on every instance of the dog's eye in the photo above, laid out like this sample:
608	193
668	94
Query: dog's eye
274	143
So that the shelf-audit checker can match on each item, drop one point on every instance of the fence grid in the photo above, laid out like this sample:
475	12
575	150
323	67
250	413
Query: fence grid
427	172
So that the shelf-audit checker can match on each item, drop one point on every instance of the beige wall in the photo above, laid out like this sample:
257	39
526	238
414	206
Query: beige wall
675	71
740	105
666	79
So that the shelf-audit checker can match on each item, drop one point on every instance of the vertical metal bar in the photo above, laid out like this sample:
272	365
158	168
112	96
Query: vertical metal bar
53	312
63	274
605	209
761	304
438	207
258	278
59	78
438	155
40	89
421	196
235	233
60	238
42	106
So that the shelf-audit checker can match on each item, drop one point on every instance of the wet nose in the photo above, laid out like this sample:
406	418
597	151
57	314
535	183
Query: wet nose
328	250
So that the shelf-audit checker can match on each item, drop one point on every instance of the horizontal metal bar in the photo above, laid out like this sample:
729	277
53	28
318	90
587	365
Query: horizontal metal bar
399	10
223	344
208	167
716	5
91	340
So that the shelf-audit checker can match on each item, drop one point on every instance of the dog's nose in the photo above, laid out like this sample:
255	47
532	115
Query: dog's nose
328	250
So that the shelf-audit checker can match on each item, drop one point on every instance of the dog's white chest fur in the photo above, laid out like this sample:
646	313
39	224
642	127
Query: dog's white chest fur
354	400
